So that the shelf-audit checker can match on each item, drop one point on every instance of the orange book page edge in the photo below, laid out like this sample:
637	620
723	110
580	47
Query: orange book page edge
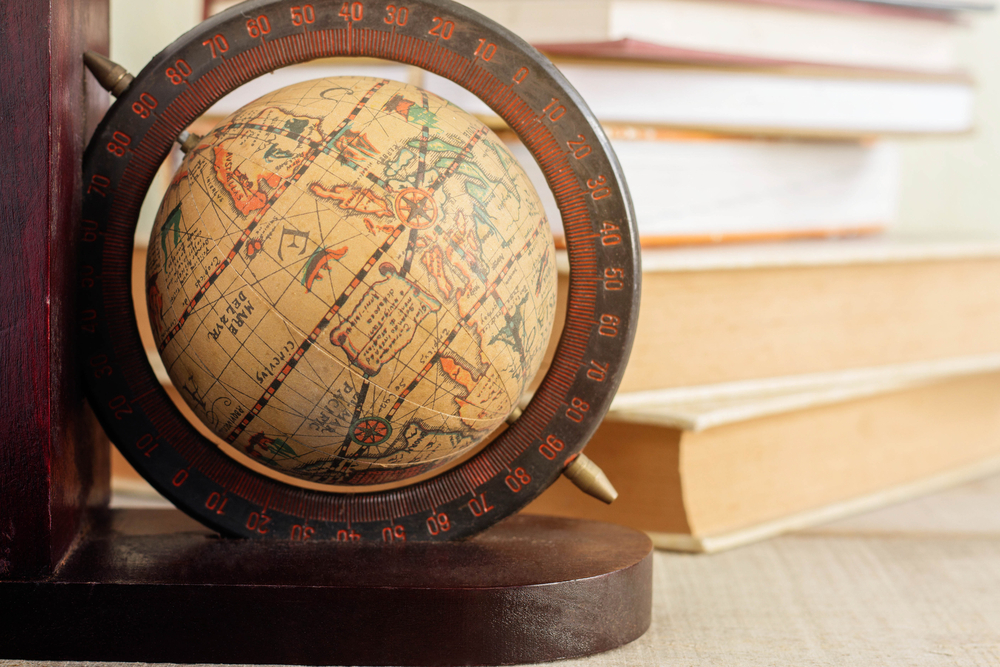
672	240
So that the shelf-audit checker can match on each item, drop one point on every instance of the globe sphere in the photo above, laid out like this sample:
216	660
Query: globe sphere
351	281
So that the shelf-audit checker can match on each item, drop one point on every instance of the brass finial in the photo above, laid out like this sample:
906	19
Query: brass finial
590	479
112	76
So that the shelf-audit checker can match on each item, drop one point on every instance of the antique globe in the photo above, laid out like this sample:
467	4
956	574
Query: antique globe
351	281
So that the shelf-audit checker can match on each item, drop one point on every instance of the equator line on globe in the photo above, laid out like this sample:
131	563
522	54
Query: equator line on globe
351	281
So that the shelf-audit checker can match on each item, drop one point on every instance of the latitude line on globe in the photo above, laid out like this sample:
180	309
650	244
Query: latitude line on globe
424	138
342	453
470	144
225	263
365	386
407	261
488	292
453	167
304	347
308	342
418	182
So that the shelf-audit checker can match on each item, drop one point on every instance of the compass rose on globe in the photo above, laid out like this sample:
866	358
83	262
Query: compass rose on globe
416	208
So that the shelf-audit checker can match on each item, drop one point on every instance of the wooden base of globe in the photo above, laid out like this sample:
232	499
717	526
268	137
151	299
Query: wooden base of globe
153	585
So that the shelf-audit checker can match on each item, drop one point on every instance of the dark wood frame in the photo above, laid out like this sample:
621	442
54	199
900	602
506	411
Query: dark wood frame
53	456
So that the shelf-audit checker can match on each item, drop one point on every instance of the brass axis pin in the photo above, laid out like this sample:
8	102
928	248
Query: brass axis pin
584	473
116	80
590	479
113	77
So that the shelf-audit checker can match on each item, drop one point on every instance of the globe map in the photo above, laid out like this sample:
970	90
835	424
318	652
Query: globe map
351	281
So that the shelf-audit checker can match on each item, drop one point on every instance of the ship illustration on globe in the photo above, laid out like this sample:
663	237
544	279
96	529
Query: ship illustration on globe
351	281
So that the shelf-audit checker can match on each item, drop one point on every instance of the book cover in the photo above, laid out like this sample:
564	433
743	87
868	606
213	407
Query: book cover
725	314
747	480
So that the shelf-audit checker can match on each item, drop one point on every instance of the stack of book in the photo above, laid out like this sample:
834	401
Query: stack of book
750	119
779	385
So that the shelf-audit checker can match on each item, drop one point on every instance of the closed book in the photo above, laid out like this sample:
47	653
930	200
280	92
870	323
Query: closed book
690	187
731	313
748	479
788	100
806	31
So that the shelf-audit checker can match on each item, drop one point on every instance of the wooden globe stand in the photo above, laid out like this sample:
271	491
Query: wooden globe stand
82	582
155	586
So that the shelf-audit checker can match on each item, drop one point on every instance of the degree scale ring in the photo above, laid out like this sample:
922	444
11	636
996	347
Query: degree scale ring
520	85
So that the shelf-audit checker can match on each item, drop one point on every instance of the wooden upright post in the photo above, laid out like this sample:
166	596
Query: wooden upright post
53	457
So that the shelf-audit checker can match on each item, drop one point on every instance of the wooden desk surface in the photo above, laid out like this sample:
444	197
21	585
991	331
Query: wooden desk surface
913	584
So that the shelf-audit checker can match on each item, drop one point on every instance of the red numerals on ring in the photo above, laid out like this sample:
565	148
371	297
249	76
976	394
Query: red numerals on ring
352	11
257	523
216	502
598	189
486	50
119	140
145	105
551	447
608	326
179	73
396	15
86	272
217	45
614	279
597	372
610	233
517	480
90	232
579	147
120	406
303	14
553	110
438	523
301	533
258	27
99	362
478	506
146	444
98	185
441	28
393	534
87	319
576	408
